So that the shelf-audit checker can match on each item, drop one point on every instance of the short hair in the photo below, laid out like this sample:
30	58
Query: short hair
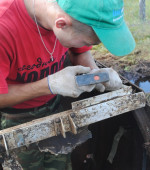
79	27
83	28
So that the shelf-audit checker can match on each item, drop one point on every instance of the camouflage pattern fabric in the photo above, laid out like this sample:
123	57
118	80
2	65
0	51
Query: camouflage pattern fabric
31	158
35	160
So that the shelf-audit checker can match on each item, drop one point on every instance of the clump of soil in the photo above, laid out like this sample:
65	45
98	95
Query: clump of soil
126	68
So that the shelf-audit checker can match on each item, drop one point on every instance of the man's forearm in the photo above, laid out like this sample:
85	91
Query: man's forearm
84	59
19	93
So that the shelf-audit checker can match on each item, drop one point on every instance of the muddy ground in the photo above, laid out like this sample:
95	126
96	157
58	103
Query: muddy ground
135	71
140	68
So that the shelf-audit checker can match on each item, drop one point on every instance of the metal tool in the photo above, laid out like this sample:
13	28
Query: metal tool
83	113
89	79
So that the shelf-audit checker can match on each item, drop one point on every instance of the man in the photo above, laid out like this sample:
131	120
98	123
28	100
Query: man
35	36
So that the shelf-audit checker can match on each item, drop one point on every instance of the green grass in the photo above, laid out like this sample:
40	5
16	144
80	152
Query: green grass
100	48
139	29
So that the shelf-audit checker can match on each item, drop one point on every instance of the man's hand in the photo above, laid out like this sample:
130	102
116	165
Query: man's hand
114	83
63	82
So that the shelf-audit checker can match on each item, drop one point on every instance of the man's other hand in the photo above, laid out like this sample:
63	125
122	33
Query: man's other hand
114	83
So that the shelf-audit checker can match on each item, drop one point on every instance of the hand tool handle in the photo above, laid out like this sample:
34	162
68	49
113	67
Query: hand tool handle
89	79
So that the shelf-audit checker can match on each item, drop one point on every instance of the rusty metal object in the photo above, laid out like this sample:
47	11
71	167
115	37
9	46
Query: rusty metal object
101	98
60	145
69	120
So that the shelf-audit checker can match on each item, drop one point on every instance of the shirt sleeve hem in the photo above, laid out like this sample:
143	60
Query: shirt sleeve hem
81	50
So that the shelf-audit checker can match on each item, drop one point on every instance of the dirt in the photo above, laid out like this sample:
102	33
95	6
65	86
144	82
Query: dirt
133	71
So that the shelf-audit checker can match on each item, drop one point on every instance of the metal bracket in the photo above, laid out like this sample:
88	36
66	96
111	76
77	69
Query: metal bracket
72	125
5	144
92	110
60	128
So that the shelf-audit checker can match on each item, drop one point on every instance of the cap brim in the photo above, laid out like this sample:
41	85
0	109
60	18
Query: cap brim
118	41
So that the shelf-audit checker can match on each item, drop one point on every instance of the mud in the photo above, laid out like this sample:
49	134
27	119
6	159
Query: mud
138	73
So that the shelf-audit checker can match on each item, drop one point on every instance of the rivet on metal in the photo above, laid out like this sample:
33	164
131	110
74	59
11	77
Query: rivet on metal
72	115
57	120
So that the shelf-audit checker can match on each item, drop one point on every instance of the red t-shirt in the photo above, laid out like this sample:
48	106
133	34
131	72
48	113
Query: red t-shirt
23	58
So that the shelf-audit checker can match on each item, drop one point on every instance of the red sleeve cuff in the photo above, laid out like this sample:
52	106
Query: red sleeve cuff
81	50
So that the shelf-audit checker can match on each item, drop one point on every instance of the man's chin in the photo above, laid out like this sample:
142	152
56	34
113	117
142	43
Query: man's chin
71	46
74	46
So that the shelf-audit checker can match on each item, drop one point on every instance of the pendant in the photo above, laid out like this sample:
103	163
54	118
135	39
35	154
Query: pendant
52	59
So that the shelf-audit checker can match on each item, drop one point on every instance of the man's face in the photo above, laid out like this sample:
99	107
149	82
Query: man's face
77	41
70	38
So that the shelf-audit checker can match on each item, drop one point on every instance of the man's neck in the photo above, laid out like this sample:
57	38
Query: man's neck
41	12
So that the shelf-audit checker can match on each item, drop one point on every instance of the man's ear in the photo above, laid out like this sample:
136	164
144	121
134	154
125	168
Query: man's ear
62	22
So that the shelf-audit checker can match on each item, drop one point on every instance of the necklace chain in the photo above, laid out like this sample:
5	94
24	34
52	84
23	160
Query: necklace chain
51	54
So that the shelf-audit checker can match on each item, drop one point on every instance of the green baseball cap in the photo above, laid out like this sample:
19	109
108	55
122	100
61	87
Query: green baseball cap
106	17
